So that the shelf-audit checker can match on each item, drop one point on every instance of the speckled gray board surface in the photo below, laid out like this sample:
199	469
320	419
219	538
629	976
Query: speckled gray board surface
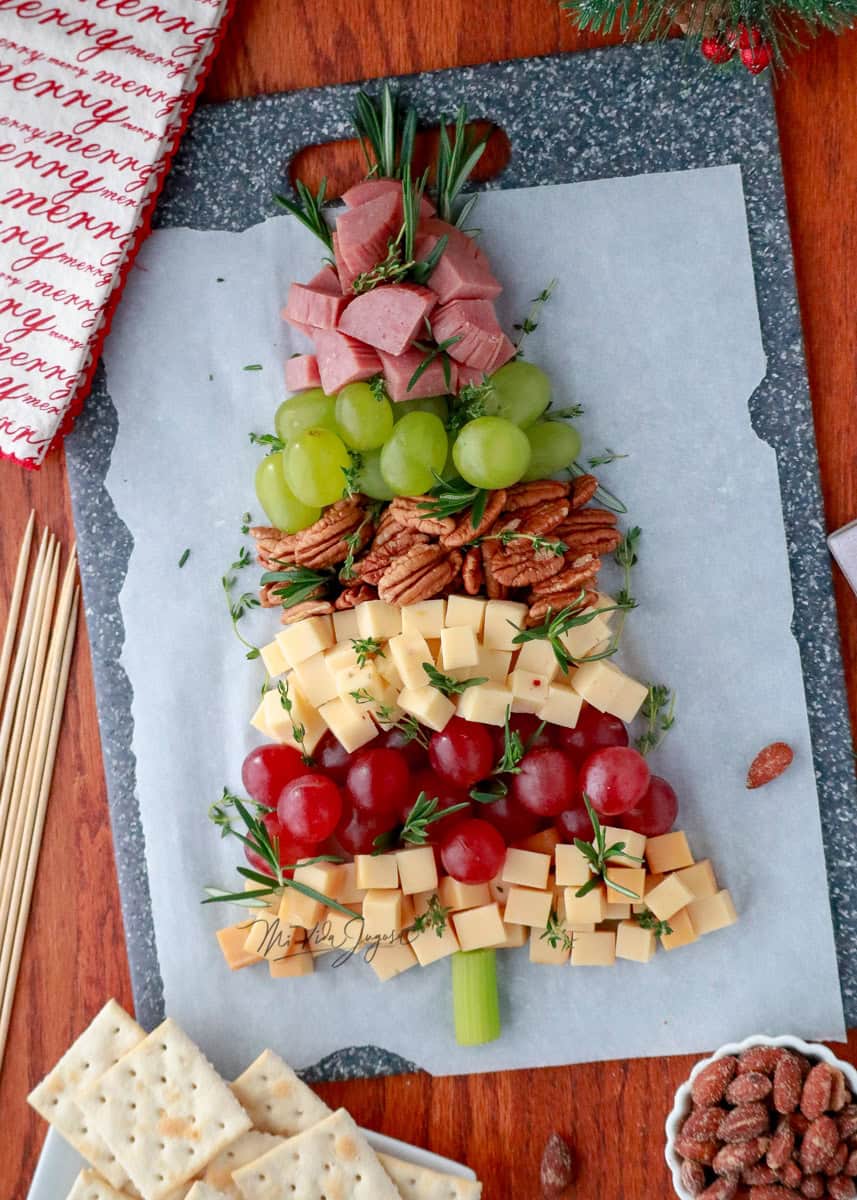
622	111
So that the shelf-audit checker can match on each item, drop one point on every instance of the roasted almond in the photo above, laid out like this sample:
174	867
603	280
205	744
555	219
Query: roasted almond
769	763
748	1087
817	1088
841	1188
709	1086
782	1145
788	1084
721	1189
760	1058
701	1152
734	1157
819	1145
744	1123
557	1167
692	1177
703	1123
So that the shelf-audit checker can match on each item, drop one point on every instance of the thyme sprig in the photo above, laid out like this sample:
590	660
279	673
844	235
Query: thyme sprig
301	583
309	210
410	729
238	609
392	269
514	749
538	540
555	934
598	855
626	557
448	685
366	648
659	712
435	917
530	322
270	440
218	811
353	540
470	403
244	559
602	494
451	496
648	920
351	474
456	161
556	624
571	413
298	729
605	458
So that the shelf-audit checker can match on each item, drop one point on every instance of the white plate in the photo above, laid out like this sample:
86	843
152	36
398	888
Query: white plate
59	1164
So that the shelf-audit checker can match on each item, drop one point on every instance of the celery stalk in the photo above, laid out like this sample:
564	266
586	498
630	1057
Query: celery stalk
475	999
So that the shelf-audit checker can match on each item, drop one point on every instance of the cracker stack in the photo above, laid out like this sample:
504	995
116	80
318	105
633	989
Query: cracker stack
156	1122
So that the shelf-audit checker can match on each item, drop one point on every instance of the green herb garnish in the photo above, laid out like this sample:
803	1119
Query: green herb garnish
269	440
555	625
385	130
238	610
648	920
366	648
604	497
556	935
301	584
435	917
530	322
604	459
298	730
431	353
184	557
659	712
469	404
448	685
452	496
456	161
308	210
424	813
598	855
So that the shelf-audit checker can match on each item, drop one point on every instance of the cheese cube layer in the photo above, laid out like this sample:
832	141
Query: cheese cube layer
541	951
455	895
504	620
382	913
376	871
669	852
596	683
316	680
465	611
529	691
417	870
274	659
425	618
629	697
341	657
700	879
458	648
593	950
428	947
581	639
379	620
389	961
632	878
562	706
538	658
635	845
572	867
635	943
428	705
486	703
492	665
349	723
683	932
527	906
712	912
345	625
409	651
477	928
583	910
526	868
668	897
305	638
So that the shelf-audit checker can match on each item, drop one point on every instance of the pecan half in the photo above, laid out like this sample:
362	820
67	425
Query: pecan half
464	530
410	511
589	541
542	518
583	489
352	596
307	608
589	518
525	566
419	574
542	605
576	573
273	547
372	566
472	571
323	544
493	588
541	491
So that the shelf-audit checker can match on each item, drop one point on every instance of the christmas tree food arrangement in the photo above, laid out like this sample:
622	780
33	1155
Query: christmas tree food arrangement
448	768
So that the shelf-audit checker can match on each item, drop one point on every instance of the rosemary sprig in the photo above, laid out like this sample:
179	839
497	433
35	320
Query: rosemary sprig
604	459
556	624
452	496
530	322
556	935
431	353
598	855
424	813
469	404
300	584
366	648
243	560
456	161
435	917
269	440
386	131
298	729
448	685
539	542
238	610
308	210
604	497
648	920
659	712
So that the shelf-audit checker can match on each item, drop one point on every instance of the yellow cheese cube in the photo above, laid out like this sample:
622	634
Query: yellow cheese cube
543	842
272	719
486	703
429	946
316	680
338	933
617	912
365	680
298	962
376	871
712	912
428	705
389	672
301	910
593	950
527	906
561	707
341	657
602	602
267	936
504	620
538	658
596	683
455	895
233	945
417	870
669	852
477	928
499	889
379	620
492	665
345	625
668	897
515	936
635	943
580	640
409	651
382	913
585	910
632	878
305	638
529	692
541	951
700	879
652	882
635	845
425	618
572	867
408	911
629	696
458	648
349	723
526	868
274	659
387	961
683	932
465	611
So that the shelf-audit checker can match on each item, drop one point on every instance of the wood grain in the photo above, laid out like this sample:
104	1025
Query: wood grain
75	957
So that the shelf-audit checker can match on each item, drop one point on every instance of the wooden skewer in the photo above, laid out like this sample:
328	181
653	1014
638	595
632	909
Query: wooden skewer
15	604
10	706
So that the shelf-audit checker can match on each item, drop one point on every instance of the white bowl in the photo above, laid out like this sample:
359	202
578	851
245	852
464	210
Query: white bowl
683	1101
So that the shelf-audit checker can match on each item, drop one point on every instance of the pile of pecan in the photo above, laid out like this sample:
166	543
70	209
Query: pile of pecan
406	555
769	1125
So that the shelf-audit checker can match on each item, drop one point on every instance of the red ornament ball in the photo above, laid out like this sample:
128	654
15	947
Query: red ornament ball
756	58
716	50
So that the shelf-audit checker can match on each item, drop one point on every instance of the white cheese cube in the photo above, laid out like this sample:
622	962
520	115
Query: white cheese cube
425	618
341	657
379	620
383	705
628	699
428	705
272	719
562	706
466	611
316	680
274	659
409	651
529	691
363	679
477	928
376	871
504	619
486	703
597	684
538	657
458	648
388	670
345	625
417	870
305	638
491	664
580	639
349	723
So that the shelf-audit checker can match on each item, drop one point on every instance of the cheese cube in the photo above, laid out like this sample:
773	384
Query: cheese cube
387	961
300	910
669	852
428	705
617	912
389	672
526	868
628	700
274	659
635	845
499	889
712	912
492	665
465	611
486	703
683	932
365	680
597	684
538	658
527	906
652	882
345	625
699	879
580	640
425	618
529	692
632	878
341	657
233	944
585	910
458	648
456	896
272	719
572	867
635	943
376	871
593	949
516	935
504	620
541	951
429	946
543	842
417	870
379	620
338	932
477	928
305	638
349	723
297	963
267	936
561	706
316	680
382	913
668	897
409	651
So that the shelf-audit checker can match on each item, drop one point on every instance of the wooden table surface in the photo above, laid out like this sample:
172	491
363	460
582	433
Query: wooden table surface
75	956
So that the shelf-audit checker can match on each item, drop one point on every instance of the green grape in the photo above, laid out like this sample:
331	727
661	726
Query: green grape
436	405
520	393
315	463
370	481
553	446
416	448
491	452
307	410
364	421
281	505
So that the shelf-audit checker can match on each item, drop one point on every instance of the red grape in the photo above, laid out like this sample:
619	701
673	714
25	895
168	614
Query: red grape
512	822
332	757
289	851
473	852
397	739
656	812
574	823
267	769
356	831
378	780
526	726
546	783
615	779
462	753
426	781
309	808
593	731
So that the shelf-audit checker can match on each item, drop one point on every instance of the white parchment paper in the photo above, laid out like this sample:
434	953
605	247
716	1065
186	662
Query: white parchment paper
654	329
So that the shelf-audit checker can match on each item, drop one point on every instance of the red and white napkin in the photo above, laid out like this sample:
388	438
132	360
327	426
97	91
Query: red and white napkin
94	97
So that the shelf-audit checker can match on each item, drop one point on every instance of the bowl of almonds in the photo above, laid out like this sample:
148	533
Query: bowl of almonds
765	1119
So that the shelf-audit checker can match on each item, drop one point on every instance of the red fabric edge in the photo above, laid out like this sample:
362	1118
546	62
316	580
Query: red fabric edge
144	225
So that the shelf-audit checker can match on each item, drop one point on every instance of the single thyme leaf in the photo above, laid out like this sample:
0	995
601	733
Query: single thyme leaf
448	685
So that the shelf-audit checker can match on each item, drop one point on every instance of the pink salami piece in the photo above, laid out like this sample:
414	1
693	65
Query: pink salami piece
344	274
306	306
363	234
390	317
399	370
302	372
326	280
460	276
370	189
342	360
482	343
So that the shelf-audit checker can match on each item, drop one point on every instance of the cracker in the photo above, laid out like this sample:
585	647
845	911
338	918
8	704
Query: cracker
333	1159
89	1185
421	1183
278	1100
164	1111
109	1036
203	1191
245	1149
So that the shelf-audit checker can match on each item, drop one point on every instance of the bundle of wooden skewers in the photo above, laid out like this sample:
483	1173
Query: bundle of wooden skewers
35	658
